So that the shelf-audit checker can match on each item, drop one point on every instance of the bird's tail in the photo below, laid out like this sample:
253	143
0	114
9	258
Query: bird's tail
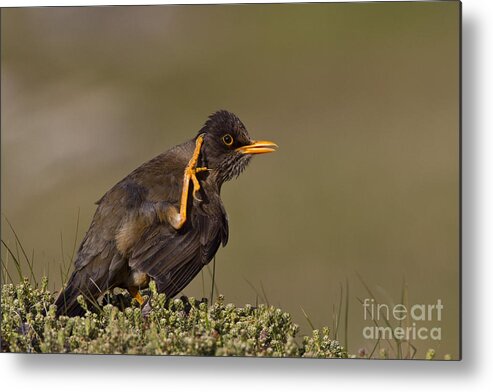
67	303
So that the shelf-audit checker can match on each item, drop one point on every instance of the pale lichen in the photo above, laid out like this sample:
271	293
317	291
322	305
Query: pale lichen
180	327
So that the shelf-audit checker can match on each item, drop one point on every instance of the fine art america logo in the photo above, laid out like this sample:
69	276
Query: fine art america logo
407	318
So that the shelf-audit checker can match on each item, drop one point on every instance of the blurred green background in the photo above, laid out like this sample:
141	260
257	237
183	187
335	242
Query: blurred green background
362	98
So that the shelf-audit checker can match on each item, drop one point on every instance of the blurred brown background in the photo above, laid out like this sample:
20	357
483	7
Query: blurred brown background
362	99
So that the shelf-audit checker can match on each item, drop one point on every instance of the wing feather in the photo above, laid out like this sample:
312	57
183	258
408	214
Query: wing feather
173	258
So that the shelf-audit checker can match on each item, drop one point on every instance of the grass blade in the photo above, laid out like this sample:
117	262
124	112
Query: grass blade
213	279
16	262
76	235
203	282
374	348
18	244
257	294
338	321
308	318
346	318
6	272
265	295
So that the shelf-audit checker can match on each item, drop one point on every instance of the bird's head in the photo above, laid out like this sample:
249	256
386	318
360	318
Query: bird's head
227	147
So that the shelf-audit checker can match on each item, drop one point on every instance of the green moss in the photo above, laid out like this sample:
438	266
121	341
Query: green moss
181	327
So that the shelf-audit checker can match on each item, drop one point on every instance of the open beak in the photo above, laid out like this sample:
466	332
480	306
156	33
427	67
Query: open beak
258	147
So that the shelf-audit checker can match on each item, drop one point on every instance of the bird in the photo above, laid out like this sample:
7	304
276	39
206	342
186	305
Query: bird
165	220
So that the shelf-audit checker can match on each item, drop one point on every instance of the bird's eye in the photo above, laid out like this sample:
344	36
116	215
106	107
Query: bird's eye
228	139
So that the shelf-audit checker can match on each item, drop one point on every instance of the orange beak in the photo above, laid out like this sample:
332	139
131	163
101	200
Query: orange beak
258	147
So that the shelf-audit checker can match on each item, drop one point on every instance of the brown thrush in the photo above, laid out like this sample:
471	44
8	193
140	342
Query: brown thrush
165	220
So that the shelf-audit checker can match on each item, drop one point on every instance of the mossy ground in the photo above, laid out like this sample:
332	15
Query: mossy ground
180	327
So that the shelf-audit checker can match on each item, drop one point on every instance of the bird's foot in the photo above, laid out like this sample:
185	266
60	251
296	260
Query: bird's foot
190	174
195	181
134	292
191	170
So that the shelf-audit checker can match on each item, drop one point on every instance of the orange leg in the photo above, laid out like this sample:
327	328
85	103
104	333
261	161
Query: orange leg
134	292
190	174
